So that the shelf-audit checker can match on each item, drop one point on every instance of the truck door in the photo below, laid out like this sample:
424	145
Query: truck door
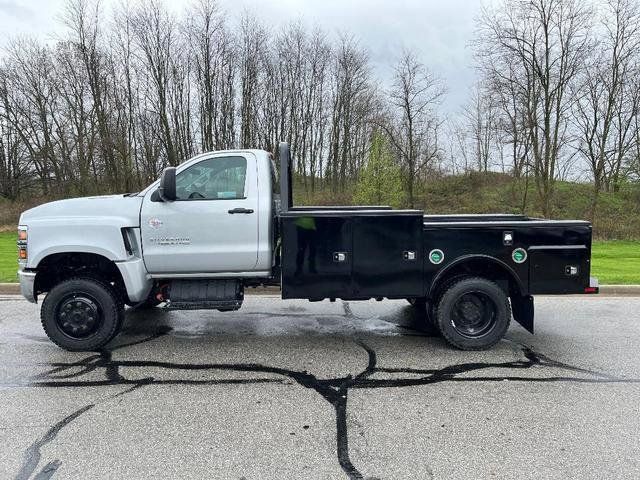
212	226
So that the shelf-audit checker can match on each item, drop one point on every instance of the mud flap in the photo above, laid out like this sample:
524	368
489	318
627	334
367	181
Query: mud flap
522	308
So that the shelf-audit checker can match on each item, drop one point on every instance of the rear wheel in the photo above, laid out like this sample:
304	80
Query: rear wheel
82	314
473	314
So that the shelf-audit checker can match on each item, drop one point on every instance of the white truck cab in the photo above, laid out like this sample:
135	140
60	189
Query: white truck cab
218	226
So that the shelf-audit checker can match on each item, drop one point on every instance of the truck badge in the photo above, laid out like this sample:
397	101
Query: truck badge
155	223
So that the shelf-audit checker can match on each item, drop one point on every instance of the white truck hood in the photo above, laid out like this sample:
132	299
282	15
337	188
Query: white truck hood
81	225
124	210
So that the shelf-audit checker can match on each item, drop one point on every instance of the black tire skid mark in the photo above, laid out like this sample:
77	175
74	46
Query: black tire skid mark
33	453
333	390
48	470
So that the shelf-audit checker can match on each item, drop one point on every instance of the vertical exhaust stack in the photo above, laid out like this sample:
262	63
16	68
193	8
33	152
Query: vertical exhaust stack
286	194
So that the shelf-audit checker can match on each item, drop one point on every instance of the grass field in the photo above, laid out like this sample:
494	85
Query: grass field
614	262
8	256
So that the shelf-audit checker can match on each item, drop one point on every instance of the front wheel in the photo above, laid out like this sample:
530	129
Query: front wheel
82	314
473	314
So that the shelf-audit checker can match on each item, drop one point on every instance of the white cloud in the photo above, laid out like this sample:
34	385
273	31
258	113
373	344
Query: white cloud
439	31
16	10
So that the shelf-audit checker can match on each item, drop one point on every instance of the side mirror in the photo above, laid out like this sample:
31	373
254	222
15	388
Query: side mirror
167	188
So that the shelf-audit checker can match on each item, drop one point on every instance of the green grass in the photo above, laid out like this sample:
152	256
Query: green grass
8	257
614	262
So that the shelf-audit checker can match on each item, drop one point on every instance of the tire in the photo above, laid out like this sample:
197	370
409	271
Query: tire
82	314
473	314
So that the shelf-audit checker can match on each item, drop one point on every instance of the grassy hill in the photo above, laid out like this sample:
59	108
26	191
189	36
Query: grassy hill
617	216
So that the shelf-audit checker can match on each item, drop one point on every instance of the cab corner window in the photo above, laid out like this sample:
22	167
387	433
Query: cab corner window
219	178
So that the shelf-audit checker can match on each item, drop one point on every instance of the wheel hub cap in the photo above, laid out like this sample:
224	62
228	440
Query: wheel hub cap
78	317
474	315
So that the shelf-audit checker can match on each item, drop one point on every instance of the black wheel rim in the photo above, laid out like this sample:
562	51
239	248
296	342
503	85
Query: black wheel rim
474	314
78	316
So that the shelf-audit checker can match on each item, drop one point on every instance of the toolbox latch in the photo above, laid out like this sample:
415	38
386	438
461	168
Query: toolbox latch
409	255
339	256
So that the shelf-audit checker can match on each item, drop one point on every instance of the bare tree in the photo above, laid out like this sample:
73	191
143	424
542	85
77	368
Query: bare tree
481	118
110	103
154	32
413	127
209	41
14	163
351	92
537	48
608	97
253	39
30	106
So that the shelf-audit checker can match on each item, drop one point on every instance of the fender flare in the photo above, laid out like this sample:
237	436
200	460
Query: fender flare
72	249
522	302
470	258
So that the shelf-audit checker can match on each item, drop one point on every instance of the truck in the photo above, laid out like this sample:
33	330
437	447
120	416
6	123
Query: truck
223	222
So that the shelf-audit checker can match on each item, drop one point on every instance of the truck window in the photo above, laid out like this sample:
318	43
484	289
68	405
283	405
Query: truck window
220	178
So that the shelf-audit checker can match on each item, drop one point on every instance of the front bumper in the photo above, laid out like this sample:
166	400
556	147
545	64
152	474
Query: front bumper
27	285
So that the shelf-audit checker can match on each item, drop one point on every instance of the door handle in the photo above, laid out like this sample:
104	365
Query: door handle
240	210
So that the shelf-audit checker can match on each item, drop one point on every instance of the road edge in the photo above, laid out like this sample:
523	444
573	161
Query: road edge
605	290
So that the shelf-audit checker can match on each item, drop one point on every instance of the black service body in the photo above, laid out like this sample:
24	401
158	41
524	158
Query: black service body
358	253
375	245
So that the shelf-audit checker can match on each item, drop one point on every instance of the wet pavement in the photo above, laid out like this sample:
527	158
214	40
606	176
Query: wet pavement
324	391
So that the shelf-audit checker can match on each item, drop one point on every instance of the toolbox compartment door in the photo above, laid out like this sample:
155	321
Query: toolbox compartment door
351	255
557	270
317	257
387	256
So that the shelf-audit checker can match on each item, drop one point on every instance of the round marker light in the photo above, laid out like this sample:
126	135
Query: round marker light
436	256
519	255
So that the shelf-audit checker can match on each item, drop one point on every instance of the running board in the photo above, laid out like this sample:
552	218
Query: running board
223	295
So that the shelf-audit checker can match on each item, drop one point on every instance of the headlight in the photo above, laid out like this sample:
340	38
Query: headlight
22	243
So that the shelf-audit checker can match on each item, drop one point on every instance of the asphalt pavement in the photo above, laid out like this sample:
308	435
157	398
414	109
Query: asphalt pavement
297	390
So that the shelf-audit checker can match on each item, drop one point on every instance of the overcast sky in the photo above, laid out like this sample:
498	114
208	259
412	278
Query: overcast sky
440	31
